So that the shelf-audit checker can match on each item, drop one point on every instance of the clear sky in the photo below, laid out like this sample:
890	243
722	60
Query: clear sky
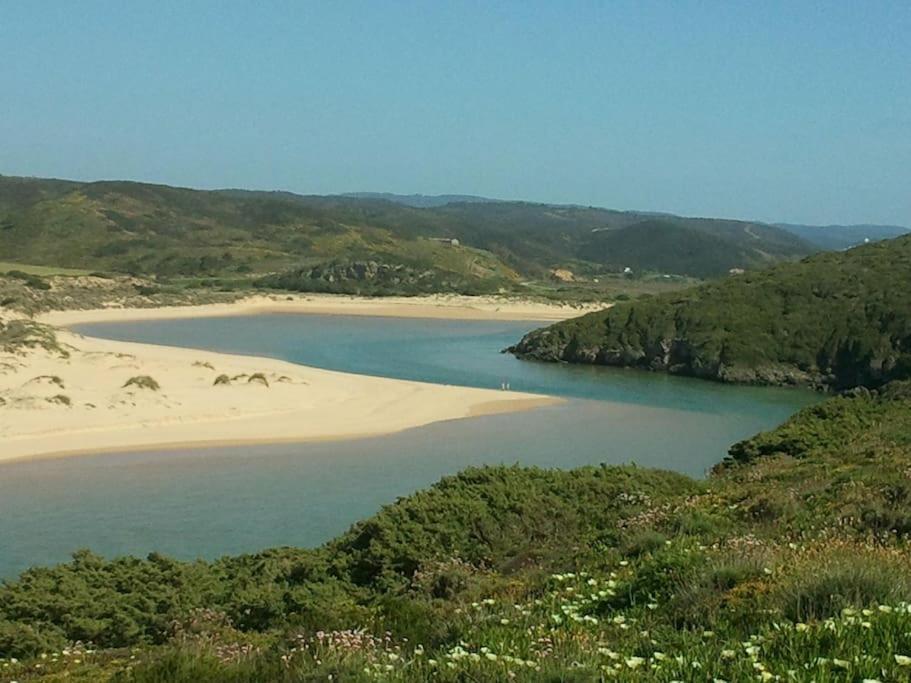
782	111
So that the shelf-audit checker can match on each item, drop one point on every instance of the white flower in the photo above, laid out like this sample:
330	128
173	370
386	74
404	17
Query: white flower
635	662
903	660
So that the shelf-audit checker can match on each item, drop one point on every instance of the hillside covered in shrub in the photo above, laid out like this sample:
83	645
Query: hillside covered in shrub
832	320
146	229
790	562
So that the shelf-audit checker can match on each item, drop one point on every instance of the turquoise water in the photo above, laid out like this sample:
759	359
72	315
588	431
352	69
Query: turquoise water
213	502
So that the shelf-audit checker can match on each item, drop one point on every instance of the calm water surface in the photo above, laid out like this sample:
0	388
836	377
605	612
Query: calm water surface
231	500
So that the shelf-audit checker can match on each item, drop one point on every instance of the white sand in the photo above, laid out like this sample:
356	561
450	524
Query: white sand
453	307
99	413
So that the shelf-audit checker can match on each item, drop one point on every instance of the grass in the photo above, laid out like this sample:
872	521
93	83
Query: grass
142	382
18	336
43	271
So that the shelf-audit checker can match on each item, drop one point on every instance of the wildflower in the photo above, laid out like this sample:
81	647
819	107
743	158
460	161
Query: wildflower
802	627
635	662
903	660
728	654
660	656
841	663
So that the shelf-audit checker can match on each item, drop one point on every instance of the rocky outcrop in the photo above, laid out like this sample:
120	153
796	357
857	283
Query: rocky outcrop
674	356
365	271
371	277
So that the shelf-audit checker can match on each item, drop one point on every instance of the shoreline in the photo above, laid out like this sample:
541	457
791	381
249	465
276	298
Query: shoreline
482	410
264	400
440	307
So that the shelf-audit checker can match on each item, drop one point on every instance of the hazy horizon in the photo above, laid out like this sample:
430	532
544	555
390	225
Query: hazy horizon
767	112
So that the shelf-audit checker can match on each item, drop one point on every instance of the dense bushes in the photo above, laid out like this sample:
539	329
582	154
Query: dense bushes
785	558
836	319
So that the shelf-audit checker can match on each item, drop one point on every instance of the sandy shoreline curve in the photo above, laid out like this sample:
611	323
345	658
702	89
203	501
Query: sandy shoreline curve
90	401
448	307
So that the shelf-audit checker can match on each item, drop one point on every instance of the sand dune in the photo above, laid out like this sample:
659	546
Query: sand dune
97	397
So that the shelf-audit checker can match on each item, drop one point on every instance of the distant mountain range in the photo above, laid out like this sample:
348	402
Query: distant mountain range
422	201
834	237
829	237
458	242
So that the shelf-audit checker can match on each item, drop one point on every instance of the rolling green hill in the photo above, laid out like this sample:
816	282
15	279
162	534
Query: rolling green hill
669	246
159	230
833	320
792	556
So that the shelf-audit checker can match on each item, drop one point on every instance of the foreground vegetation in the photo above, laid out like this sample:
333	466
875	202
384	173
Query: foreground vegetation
790	562
833	320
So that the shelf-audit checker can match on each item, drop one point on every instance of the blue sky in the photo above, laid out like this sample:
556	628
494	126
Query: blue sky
780	111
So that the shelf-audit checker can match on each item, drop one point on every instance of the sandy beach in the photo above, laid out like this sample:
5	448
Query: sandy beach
95	398
445	306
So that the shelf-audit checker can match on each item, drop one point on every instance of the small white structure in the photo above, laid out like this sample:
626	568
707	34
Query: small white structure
448	241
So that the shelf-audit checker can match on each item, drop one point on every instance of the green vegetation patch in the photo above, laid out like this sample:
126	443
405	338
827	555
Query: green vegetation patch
793	556
833	320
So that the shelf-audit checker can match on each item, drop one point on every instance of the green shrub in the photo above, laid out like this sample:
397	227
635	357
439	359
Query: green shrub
142	382
834	581
30	280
